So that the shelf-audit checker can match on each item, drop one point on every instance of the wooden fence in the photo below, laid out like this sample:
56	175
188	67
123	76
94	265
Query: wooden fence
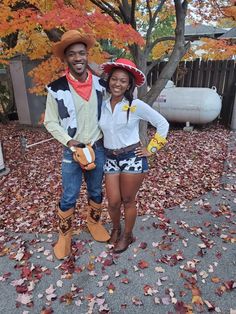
198	73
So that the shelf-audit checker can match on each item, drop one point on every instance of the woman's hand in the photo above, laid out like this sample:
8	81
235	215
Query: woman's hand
142	151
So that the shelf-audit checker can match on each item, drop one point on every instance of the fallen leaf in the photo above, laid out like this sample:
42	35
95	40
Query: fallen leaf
136	301
24	298
143	264
111	288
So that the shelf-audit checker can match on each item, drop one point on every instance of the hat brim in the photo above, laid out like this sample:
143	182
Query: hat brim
58	48
139	76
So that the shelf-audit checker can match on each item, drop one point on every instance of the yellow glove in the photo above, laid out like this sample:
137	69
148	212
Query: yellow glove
156	143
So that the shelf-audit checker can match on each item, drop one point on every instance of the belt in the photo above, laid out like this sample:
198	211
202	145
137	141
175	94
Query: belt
122	150
98	143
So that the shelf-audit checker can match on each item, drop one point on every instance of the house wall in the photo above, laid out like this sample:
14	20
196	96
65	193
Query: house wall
29	106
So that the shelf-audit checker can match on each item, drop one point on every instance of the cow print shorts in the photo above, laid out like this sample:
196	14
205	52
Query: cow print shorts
126	163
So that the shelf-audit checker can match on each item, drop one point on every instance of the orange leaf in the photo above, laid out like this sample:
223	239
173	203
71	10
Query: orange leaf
215	279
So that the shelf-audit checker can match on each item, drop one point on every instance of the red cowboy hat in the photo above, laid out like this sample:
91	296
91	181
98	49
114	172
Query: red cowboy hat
128	65
69	38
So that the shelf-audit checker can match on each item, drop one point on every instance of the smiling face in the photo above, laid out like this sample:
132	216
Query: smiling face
76	56
119	83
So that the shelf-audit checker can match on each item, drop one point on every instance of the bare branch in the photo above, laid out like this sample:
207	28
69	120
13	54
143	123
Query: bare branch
156	41
108	9
149	10
125	10
152	21
219	8
54	34
132	14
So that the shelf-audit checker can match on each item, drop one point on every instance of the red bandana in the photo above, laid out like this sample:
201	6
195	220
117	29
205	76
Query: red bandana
84	89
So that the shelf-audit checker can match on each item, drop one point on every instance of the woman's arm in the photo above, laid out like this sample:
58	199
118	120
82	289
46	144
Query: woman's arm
145	112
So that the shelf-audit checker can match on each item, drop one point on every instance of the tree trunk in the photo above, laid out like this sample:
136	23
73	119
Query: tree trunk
125	13
180	49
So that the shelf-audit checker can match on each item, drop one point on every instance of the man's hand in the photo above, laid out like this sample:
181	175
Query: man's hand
85	156
72	143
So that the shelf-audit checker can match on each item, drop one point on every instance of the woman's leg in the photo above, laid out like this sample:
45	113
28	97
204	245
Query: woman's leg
112	183
129	186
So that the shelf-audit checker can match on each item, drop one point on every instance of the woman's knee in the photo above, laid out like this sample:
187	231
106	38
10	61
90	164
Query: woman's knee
114	206
128	202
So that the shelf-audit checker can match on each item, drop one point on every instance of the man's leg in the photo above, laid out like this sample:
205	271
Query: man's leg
71	183
94	179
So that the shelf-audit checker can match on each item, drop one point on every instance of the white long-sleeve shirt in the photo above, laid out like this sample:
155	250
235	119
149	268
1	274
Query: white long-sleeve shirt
118	132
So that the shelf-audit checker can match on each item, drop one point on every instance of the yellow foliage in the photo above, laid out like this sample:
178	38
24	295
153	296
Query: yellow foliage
230	12
96	55
165	48
46	72
226	23
162	49
190	55
36	45
166	11
218	49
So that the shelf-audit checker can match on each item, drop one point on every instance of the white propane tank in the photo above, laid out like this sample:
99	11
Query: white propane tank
197	105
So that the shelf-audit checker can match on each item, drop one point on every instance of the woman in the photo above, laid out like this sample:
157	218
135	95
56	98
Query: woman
126	163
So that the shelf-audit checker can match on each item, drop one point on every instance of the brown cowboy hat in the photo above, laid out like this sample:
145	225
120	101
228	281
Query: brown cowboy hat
69	38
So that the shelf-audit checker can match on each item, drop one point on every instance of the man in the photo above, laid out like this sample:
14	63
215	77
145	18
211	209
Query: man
72	112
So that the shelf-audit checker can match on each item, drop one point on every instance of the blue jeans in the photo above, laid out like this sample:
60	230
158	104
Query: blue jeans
72	176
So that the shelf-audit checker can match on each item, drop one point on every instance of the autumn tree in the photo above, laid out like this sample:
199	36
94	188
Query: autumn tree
30	27
147	17
223	14
146	30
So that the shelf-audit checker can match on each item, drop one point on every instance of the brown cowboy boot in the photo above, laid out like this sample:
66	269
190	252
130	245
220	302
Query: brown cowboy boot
124	242
63	246
95	227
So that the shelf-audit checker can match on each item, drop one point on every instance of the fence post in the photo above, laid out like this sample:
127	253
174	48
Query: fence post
3	169
233	121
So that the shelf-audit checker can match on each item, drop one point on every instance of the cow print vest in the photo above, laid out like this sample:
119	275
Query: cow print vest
60	90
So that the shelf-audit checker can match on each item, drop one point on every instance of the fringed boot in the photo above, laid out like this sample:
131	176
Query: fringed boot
63	246
98	232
